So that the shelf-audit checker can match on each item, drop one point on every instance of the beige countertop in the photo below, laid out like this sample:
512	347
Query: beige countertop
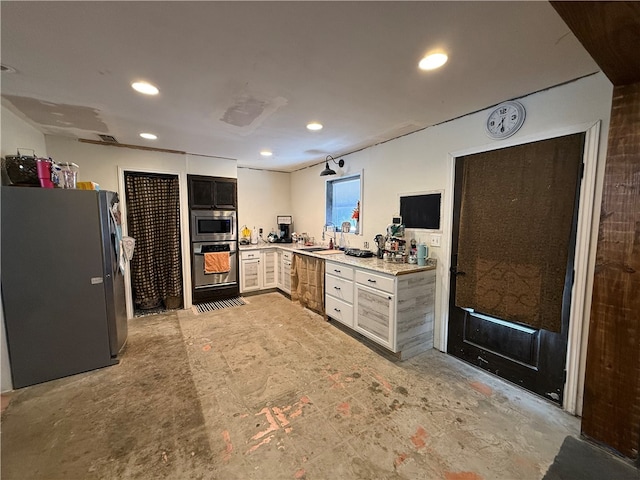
375	264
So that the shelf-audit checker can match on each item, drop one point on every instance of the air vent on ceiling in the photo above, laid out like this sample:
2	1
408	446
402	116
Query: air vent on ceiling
108	138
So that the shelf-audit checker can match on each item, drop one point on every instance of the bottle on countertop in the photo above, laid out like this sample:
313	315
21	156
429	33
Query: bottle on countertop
331	244
254	236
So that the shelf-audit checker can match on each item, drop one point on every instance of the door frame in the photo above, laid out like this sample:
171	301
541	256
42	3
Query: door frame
583	261
185	244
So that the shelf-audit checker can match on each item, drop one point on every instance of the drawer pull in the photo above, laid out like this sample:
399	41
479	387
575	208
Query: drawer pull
337	271
372	281
337	288
337	310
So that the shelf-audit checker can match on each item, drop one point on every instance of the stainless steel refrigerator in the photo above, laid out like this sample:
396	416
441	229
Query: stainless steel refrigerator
62	290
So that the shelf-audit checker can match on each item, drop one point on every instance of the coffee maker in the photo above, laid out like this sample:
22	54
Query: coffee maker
285	227
379	241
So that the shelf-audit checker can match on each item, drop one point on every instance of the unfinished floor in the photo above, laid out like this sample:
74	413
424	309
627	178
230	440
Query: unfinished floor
269	390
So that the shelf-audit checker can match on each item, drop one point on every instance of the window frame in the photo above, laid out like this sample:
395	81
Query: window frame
328	200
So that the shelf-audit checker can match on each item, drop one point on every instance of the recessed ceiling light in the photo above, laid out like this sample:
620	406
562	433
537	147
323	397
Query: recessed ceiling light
148	136
433	61
145	87
266	153
314	126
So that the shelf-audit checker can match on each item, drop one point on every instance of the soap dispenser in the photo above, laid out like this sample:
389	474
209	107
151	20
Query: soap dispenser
254	236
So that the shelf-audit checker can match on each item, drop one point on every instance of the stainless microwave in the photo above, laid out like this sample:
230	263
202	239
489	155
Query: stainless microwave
213	225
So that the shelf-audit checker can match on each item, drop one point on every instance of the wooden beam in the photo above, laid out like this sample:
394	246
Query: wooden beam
610	32
611	413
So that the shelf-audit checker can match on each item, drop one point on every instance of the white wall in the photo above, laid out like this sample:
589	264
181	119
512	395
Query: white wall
262	195
16	133
422	162
211	166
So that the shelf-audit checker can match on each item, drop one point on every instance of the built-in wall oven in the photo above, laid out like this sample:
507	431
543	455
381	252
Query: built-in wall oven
213	225
202	280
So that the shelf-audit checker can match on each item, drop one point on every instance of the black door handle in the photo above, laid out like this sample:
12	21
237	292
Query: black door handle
454	271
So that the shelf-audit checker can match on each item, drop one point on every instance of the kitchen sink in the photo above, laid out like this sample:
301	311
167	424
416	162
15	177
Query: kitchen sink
315	249
322	250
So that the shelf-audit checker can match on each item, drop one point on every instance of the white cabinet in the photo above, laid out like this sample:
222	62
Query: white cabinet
374	315
269	258
279	273
339	310
250	271
258	269
285	268
395	311
338	288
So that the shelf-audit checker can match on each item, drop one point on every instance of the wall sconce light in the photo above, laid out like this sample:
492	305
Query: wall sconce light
329	171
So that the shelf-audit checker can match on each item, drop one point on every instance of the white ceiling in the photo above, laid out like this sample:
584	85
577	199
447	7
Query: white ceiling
274	66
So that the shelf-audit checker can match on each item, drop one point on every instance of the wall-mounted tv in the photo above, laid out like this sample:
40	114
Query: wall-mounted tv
421	210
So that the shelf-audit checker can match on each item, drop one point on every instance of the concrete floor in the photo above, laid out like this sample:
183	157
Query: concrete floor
271	391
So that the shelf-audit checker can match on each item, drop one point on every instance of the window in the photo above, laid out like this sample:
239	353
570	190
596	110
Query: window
344	202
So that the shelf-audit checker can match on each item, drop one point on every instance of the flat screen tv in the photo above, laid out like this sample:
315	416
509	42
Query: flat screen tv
421	210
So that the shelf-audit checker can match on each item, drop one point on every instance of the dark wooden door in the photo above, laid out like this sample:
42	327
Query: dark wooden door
200	192
224	196
526	354
212	192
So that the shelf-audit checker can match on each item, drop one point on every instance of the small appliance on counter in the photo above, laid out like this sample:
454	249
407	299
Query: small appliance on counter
285	227
356	252
245	236
379	241
395	245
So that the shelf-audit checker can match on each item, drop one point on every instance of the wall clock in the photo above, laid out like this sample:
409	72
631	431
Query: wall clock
505	120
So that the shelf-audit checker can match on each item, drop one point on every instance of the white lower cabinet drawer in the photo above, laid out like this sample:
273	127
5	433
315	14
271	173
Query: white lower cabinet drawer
249	255
339	270
386	284
339	288
339	310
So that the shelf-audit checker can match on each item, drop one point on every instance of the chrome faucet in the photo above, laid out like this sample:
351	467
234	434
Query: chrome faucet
324	229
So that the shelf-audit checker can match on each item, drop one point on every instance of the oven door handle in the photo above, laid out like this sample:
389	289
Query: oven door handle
217	273
201	254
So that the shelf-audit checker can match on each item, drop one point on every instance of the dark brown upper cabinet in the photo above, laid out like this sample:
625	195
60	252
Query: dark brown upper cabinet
218	193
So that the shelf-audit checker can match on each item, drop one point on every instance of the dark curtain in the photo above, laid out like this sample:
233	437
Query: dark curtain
153	214
516	222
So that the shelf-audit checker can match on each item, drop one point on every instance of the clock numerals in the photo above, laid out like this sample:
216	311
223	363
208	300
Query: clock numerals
505	120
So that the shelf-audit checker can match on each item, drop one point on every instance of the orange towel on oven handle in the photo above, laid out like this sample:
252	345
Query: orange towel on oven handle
216	262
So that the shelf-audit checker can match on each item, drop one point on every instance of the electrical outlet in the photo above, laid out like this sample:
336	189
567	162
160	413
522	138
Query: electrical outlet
260	231
366	244
434	239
